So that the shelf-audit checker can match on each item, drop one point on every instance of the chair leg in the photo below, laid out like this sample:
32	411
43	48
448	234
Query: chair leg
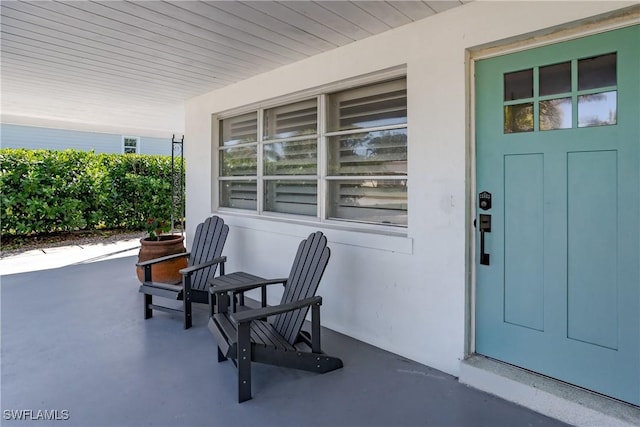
148	312
212	303
315	328
186	301
187	311
221	357
244	362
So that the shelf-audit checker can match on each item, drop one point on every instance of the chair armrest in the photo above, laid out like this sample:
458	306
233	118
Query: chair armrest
193	268
261	313
219	289
161	259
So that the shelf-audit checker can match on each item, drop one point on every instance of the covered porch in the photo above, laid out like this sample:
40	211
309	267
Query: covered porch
74	339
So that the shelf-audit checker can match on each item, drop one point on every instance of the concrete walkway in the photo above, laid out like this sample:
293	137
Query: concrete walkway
44	259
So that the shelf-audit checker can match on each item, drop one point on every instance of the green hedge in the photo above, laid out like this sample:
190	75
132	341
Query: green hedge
46	191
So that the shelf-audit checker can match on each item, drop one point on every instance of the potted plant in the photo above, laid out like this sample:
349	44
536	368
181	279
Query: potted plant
157	245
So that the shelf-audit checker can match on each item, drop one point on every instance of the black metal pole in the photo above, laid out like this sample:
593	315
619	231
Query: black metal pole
177	184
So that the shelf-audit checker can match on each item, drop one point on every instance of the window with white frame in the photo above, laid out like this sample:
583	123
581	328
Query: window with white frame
346	161
130	144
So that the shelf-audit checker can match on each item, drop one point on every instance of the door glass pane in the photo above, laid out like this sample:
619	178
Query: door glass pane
371	153
239	194
598	109
518	85
291	157
382	104
239	129
599	71
294	197
555	79
291	120
236	161
518	118
369	200
555	114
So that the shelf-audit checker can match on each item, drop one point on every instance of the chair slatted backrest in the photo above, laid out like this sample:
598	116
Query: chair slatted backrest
307	270
208	242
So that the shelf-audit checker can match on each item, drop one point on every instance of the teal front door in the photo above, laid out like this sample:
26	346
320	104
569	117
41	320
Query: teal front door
558	276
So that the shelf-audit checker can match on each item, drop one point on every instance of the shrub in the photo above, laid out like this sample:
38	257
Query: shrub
46	191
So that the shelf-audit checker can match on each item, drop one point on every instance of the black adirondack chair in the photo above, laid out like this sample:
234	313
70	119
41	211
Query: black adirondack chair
245	335
204	258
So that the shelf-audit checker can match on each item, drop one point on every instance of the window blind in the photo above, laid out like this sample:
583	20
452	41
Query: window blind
372	153
239	129
383	104
300	118
373	201
291	157
294	197
239	194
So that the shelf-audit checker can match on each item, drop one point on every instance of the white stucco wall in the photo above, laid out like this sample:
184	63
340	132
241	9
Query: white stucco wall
404	294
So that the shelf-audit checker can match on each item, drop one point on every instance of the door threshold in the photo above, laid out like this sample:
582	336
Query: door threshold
542	394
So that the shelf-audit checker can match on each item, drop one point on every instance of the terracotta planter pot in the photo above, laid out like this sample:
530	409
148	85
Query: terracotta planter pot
167	271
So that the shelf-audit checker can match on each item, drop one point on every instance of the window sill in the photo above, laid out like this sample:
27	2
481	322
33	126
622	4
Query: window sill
370	237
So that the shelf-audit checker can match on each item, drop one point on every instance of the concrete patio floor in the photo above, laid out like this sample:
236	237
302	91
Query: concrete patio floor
73	339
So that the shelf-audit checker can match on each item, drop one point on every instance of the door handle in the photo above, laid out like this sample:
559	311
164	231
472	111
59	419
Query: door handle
485	227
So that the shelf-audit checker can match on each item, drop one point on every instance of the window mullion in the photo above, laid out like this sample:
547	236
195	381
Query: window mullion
366	177
536	99
291	139
260	166
291	177
365	130
322	158
574	93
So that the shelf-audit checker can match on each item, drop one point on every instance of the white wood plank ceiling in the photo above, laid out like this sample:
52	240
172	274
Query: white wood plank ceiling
91	61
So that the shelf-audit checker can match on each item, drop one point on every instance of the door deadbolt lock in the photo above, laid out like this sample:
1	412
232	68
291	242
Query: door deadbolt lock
484	199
